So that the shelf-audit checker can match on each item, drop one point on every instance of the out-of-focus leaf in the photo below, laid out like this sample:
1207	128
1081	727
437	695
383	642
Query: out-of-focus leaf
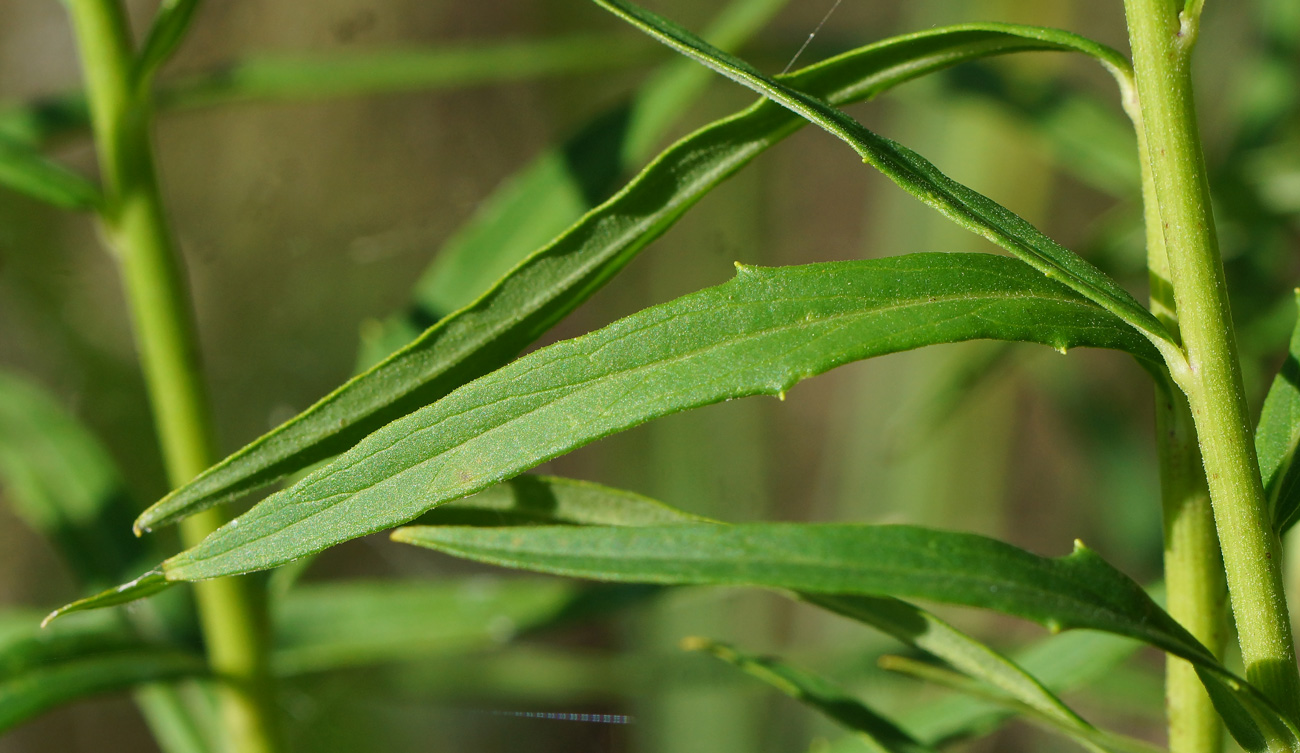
290	79
1090	738
919	628
556	279
1077	591
559	186
41	669
164	36
61	482
328	626
1061	662
27	171
919	177
401	70
1095	143
1278	435
761	333
546	499
952	389
876	731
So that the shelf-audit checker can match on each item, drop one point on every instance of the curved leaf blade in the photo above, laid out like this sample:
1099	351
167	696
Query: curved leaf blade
559	501
814	691
1079	590
1060	662
760	333
556	279
1090	738
922	179
1278	435
917	627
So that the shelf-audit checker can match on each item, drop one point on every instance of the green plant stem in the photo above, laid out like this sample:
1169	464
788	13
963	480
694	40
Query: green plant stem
1162	40
1194	582
135	227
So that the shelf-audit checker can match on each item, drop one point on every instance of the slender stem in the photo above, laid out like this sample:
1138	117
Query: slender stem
1162	42
135	227
1194	581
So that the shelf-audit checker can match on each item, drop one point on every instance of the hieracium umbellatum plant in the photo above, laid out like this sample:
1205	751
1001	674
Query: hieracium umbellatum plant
435	436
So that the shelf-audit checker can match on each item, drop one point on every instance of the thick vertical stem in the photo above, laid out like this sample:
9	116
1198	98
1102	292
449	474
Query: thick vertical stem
1194	581
136	230
1162	39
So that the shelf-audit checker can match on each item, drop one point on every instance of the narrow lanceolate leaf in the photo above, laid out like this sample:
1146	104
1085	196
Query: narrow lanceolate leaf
558	501
61	482
1090	738
760	333
556	279
1076	591
328	626
876	731
27	171
919	628
922	179
42	669
1277	437
1061	662
165	34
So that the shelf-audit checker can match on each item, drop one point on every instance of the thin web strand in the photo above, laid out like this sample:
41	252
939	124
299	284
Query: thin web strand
809	40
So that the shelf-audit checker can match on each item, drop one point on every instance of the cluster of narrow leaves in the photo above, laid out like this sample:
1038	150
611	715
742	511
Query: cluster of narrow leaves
63	485
455	413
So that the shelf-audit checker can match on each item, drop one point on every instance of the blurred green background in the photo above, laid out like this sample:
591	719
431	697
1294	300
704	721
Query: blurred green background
305	222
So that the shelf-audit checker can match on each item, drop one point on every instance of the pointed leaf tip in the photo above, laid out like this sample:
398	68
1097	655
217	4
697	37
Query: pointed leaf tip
146	585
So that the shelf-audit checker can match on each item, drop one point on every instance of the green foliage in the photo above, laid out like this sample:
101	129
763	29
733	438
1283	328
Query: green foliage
878	732
552	282
447	417
27	171
760	334
94	653
1277	437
